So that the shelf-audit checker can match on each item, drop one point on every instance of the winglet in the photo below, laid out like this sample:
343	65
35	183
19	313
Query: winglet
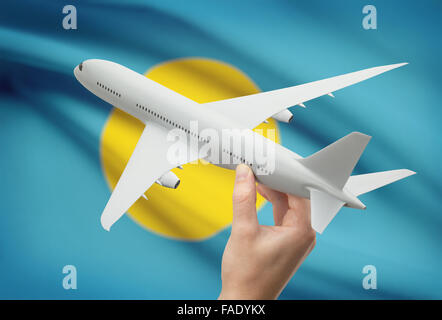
401	64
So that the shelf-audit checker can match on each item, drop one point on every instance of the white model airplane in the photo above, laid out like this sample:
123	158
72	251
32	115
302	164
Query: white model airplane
324	177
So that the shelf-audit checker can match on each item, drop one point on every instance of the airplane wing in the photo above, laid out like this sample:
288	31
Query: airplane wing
149	161
256	108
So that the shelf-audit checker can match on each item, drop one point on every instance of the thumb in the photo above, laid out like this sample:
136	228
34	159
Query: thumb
244	199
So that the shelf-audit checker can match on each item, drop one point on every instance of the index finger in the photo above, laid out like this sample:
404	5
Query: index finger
299	211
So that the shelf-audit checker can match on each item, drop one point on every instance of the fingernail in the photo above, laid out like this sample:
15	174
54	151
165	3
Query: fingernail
242	171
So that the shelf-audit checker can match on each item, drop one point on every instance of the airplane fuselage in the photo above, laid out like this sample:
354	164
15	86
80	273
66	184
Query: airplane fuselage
150	102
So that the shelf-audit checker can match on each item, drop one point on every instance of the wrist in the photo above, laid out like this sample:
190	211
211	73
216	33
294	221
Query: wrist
238	294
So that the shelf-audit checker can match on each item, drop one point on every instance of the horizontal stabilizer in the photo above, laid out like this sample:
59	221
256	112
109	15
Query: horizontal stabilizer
335	162
364	183
324	208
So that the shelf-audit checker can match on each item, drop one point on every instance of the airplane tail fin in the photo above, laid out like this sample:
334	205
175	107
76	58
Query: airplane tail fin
335	163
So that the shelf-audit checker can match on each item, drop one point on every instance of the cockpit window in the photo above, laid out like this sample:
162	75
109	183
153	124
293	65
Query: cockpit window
80	66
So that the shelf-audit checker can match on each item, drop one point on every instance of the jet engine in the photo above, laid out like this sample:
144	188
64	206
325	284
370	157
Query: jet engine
284	116
169	180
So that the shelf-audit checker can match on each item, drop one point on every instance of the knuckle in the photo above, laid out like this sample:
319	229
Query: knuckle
299	204
243	231
241	196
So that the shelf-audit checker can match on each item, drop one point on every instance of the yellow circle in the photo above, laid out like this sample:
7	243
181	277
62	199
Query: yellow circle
202	204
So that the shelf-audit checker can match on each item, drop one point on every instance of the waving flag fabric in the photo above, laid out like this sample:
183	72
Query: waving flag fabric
56	178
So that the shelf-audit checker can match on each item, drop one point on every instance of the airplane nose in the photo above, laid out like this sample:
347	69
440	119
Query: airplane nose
78	69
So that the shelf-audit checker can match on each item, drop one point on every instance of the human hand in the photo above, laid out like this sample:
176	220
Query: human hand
258	261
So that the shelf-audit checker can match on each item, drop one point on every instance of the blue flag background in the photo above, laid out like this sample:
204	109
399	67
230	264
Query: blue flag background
52	185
